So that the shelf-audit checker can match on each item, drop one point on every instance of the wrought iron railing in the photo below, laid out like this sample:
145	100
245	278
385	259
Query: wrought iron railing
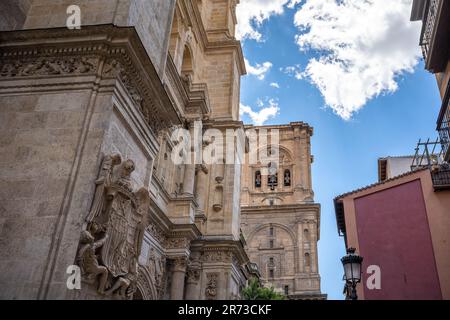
444	133
430	155
441	177
429	23
443	125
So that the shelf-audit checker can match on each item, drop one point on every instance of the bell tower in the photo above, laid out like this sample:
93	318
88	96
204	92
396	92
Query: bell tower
280	220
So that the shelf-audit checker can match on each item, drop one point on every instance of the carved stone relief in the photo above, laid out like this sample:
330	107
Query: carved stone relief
177	243
156	233
211	286
157	267
113	231
179	263
218	256
48	66
193	275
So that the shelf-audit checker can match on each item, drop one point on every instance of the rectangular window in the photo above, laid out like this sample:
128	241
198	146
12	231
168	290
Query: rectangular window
286	290
271	274
271	244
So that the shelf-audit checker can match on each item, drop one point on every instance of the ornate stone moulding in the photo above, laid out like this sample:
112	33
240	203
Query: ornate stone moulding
177	243
226	251
156	232
193	275
218	256
106	51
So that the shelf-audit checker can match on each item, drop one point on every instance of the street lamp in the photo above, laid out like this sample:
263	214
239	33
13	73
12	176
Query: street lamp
352	268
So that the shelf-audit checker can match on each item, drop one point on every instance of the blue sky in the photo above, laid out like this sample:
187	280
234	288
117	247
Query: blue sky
345	150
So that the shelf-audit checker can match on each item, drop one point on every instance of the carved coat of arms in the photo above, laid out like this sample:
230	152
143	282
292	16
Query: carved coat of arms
113	230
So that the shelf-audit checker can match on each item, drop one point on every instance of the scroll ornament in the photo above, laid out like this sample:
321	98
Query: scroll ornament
211	286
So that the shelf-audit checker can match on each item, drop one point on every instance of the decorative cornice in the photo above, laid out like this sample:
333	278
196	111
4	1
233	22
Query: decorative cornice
281	208
227	251
12	67
109	52
218	256
188	231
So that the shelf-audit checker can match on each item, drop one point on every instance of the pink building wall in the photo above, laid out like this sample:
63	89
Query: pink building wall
394	234
387	214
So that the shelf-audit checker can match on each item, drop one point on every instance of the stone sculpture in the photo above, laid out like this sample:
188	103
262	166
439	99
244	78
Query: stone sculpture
115	227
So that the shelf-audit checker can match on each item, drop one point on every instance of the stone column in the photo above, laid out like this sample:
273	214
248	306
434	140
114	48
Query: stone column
313	243
189	180
201	191
193	157
192	284
300	252
297	179
308	171
178	277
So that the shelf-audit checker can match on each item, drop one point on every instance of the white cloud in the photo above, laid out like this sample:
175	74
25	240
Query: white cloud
252	13
275	85
293	71
263	115
259	70
363	45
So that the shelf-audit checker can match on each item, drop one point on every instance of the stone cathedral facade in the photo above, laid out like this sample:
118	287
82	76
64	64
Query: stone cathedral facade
280	219
88	185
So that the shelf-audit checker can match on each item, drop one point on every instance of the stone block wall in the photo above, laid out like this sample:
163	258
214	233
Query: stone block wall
79	95
42	156
277	241
13	14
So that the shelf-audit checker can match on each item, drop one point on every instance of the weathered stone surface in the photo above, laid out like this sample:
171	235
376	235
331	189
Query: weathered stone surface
13	13
281	222
79	96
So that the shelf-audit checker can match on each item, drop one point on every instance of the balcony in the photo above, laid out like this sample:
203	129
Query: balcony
435	33
429	23
443	125
441	177
430	155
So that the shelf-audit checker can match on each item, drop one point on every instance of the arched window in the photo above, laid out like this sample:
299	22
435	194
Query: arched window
258	180
287	178
272	178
